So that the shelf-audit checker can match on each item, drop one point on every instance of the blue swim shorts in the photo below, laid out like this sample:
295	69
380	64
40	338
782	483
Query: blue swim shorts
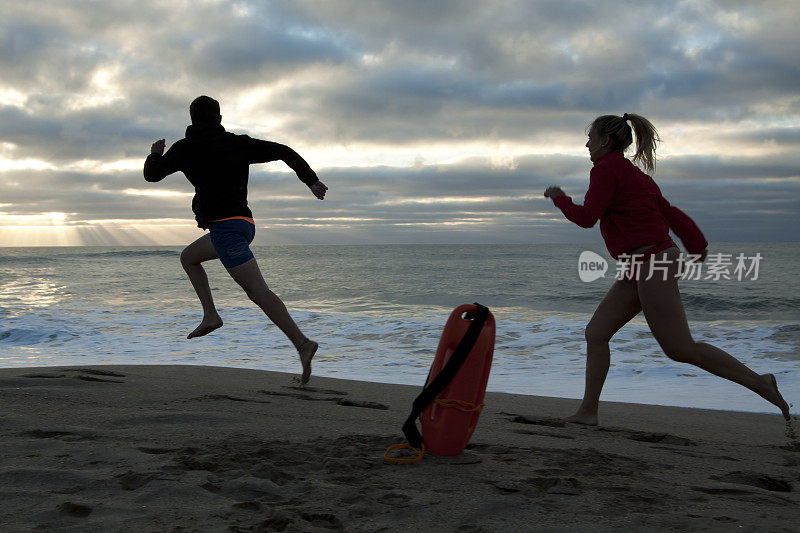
231	240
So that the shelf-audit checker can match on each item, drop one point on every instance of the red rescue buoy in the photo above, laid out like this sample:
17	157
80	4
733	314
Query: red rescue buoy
449	421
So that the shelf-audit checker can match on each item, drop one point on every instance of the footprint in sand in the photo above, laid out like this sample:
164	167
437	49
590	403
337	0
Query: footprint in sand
273	473
544	434
338	400
644	436
211	487
323	520
639	436
248	506
74	509
131	480
296	395
395	499
101	380
556	485
70	490
365	405
303	521
62	435
94	372
471	528
762	481
279	521
87	374
721	491
661	438
539	421
250	488
228	397
319	391
508	487
157	451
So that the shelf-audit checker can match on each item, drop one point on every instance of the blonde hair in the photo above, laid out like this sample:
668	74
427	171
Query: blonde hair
620	133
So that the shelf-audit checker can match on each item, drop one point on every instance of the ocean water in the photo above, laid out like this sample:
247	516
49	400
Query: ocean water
378	311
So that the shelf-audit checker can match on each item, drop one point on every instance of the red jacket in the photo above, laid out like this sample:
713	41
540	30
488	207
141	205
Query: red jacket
630	208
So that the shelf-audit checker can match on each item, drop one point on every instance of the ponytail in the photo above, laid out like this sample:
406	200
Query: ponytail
646	140
620	133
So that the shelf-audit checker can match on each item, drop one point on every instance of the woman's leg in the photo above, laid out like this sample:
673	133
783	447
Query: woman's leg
249	277
619	306
661	303
191	257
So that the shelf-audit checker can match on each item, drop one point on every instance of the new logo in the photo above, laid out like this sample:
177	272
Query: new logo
591	266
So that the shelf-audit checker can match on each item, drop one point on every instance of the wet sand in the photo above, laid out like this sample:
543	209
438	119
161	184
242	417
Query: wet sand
183	448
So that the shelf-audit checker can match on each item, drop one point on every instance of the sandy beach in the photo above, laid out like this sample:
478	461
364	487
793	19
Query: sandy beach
187	448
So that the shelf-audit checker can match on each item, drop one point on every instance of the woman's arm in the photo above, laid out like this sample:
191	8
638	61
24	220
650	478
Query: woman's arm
683	226
595	203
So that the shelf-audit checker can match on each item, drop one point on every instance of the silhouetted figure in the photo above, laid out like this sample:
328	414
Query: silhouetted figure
636	219
217	163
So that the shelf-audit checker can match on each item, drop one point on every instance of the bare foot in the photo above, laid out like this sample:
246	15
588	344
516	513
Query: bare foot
307	351
583	419
774	396
208	325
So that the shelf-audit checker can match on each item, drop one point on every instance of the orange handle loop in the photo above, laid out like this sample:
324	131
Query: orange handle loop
461	405
410	460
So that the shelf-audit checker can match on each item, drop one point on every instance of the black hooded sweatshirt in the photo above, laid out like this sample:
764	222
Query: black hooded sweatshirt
217	163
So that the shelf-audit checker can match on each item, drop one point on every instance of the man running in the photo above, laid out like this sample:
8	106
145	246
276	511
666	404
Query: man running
216	162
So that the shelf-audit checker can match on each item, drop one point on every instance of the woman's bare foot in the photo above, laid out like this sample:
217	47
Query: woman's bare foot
209	324
306	351
774	396
586	419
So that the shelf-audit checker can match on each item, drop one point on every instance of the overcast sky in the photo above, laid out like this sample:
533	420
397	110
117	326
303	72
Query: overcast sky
431	121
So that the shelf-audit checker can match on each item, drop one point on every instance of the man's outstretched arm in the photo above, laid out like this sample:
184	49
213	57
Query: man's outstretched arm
265	151
159	165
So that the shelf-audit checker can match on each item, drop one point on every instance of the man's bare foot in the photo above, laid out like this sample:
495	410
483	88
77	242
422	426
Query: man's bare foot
583	419
208	325
306	351
774	396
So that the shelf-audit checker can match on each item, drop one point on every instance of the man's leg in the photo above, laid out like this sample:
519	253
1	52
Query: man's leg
249	277
201	250
619	306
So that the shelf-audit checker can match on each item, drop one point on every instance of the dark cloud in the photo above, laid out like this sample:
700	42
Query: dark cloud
100	81
717	169
471	201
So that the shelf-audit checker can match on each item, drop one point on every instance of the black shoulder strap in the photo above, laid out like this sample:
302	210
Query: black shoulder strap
445	376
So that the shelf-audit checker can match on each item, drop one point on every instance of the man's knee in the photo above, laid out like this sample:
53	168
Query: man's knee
595	335
189	258
185	261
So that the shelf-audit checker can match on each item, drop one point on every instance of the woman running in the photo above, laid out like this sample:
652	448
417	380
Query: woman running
635	220
217	163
